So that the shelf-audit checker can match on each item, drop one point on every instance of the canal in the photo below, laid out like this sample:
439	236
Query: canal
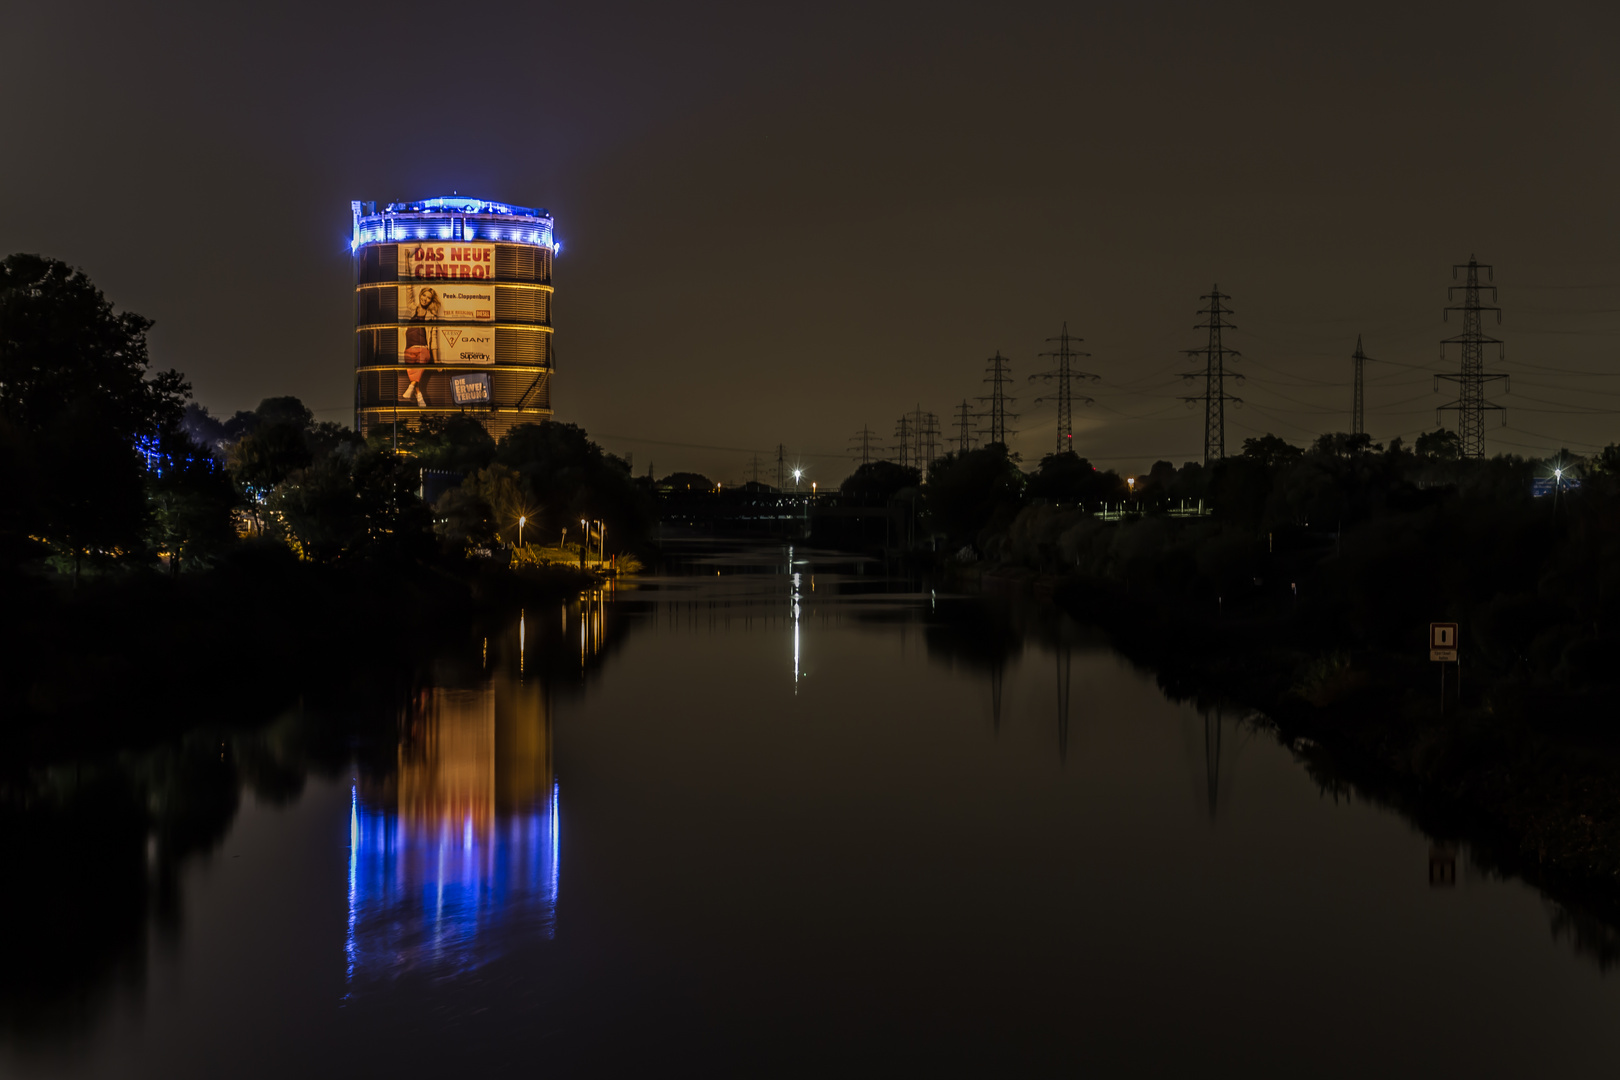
772	811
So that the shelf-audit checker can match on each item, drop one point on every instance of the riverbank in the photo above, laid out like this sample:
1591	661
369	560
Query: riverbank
1527	777
125	660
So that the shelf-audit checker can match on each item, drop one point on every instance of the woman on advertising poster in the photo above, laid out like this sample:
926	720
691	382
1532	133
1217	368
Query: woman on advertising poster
419	345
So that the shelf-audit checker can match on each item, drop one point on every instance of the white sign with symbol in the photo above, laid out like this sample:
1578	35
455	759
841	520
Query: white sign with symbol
1443	641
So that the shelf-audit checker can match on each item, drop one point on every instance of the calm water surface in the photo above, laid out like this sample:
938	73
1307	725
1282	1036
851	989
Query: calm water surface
775	813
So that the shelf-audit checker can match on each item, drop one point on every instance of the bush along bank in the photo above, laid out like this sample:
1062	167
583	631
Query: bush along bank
121	660
1324	630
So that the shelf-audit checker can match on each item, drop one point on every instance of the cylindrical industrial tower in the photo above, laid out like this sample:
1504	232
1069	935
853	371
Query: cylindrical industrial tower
452	314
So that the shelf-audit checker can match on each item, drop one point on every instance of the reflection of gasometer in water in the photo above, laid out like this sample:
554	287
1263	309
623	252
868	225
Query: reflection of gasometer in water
454	855
419	352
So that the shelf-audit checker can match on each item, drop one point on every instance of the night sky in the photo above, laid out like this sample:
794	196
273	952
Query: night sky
781	222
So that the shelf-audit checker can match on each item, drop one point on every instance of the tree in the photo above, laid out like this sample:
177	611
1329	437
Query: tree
1343	444
570	477
968	492
879	481
685	481
1271	451
461	520
1439	444
318	511
456	444
192	498
1068	477
505	494
76	389
270	454
1158	481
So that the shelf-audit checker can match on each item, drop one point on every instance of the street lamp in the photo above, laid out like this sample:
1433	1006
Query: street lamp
521	520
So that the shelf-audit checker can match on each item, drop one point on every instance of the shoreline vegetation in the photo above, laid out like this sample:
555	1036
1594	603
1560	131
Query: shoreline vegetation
161	563
1534	795
1304	592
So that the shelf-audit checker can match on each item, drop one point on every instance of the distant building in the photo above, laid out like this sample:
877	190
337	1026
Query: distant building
452	313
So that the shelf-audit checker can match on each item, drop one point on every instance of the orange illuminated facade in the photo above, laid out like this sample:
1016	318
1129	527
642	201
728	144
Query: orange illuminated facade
452	314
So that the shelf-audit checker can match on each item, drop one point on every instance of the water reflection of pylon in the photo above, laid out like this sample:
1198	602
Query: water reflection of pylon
1065	680
1212	759
995	696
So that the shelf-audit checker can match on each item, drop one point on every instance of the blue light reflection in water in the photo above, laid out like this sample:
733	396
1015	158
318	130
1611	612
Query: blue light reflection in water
424	895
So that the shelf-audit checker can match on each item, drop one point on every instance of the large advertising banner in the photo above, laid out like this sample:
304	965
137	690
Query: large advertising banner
466	345
470	389
426	344
442	259
445	389
447	301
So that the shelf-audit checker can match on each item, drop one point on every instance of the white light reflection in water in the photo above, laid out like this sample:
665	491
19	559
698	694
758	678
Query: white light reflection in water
795	602
455	858
354	857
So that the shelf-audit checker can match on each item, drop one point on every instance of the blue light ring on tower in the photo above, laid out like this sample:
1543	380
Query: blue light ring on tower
452	217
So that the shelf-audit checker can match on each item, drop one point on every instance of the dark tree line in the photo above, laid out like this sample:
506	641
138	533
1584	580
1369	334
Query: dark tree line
108	466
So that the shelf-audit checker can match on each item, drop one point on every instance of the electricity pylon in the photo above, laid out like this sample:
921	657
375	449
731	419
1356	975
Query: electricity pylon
868	445
1214	375
964	427
903	438
1471	405
1064	374
999	375
1358	412
924	438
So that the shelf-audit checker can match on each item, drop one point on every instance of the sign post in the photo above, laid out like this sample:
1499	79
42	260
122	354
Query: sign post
1443	650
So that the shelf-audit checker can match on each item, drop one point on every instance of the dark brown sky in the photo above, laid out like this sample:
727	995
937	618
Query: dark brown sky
782	222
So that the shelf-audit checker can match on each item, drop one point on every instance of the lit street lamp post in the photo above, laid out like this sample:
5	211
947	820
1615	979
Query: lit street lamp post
521	520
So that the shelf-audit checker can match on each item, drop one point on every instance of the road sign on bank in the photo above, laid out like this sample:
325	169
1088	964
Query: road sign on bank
1443	641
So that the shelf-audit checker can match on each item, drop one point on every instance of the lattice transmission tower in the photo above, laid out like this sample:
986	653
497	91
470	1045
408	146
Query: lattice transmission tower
999	375
924	438
904	436
865	445
1471	405
965	416
1064	375
1358	411
1215	355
